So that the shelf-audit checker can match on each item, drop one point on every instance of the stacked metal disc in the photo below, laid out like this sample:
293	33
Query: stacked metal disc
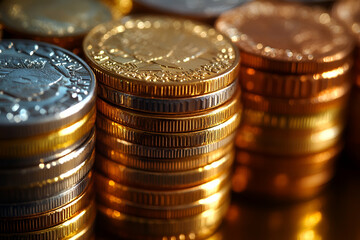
347	12
167	111
295	80
47	117
64	23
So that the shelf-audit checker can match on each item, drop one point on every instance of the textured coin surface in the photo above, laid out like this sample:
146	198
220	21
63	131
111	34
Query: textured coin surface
199	226
161	56
170	123
189	8
53	18
160	180
42	88
161	198
286	37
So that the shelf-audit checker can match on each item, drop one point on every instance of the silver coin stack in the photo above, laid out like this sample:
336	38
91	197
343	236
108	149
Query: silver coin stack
47	117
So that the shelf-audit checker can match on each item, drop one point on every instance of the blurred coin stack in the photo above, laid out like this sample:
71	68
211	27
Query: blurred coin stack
47	117
64	23
295	79
167	111
348	11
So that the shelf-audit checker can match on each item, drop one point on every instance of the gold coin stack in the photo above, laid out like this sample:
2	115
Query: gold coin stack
295	79
167	111
64	23
347	11
47	117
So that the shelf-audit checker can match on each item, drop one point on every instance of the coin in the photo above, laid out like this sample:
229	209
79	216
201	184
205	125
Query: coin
122	146
288	143
61	231
295	39
328	99
170	123
47	219
169	140
293	122
163	212
293	86
161	57
164	165
25	209
199	226
169	180
42	88
161	198
168	105
59	22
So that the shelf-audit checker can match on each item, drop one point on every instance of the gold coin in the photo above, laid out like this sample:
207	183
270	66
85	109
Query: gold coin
122	146
47	187
48	219
286	121
165	212
303	164
161	57
161	180
164	165
15	177
64	230
196	227
314	43
332	98
170	123
280	186
292	86
286	142
48	144
164	198
169	140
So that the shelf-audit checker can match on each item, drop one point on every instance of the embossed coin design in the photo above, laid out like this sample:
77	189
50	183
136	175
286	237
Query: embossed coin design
161	57
42	88
295	38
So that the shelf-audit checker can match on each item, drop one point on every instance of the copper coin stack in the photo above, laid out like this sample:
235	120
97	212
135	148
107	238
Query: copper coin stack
47	118
347	11
167	111
64	23
295	82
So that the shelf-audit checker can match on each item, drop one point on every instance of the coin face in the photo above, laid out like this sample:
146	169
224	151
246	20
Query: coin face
204	8
160	51
53	18
286	32
41	83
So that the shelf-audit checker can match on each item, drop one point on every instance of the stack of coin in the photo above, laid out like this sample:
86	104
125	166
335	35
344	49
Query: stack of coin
294	74
347	11
47	117
64	23
167	111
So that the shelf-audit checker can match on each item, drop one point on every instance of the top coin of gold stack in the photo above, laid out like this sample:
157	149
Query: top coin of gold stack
168	107
295	76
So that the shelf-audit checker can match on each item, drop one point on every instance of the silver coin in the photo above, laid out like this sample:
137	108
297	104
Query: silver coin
53	18
40	206
42	88
196	8
169	105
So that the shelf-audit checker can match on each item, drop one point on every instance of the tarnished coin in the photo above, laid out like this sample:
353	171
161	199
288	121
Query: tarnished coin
286	37
63	23
161	57
198	9
42	88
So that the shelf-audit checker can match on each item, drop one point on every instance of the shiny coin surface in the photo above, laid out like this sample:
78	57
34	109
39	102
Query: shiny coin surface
42	88
170	123
295	39
161	57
